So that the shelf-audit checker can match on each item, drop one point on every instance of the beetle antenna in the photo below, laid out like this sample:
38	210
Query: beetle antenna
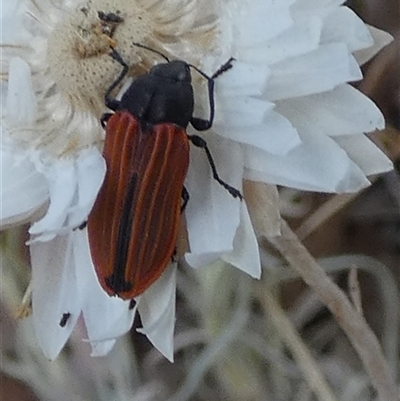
152	50
201	124
224	67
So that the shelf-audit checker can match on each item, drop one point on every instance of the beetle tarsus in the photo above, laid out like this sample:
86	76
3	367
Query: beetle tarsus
201	143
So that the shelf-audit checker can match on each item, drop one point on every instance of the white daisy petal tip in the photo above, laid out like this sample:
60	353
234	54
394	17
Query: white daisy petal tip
56	336
245	255
162	337
380	40
56	302
342	111
353	180
343	25
156	307
365	154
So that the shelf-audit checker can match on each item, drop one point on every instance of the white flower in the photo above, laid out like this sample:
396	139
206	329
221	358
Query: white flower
285	114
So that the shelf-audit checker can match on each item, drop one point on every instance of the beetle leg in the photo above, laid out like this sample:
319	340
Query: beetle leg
111	103
201	124
201	143
185	198
224	67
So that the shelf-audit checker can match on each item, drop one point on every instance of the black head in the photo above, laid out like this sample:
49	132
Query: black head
175	70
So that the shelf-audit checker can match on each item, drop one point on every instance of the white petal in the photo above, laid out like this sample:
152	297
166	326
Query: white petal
318	164
248	79
54	292
253	16
73	184
106	318
343	25
23	188
365	154
62	188
341	111
245	255
212	213
321	7
275	134
353	180
90	170
12	26
319	71
21	101
241	111
302	37
381	39
157	312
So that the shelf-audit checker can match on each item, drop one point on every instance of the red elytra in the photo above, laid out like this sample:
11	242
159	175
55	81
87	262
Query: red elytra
134	224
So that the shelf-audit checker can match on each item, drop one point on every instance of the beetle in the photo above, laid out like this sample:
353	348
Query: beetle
134	223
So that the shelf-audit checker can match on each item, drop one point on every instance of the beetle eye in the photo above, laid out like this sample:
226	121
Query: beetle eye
182	72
